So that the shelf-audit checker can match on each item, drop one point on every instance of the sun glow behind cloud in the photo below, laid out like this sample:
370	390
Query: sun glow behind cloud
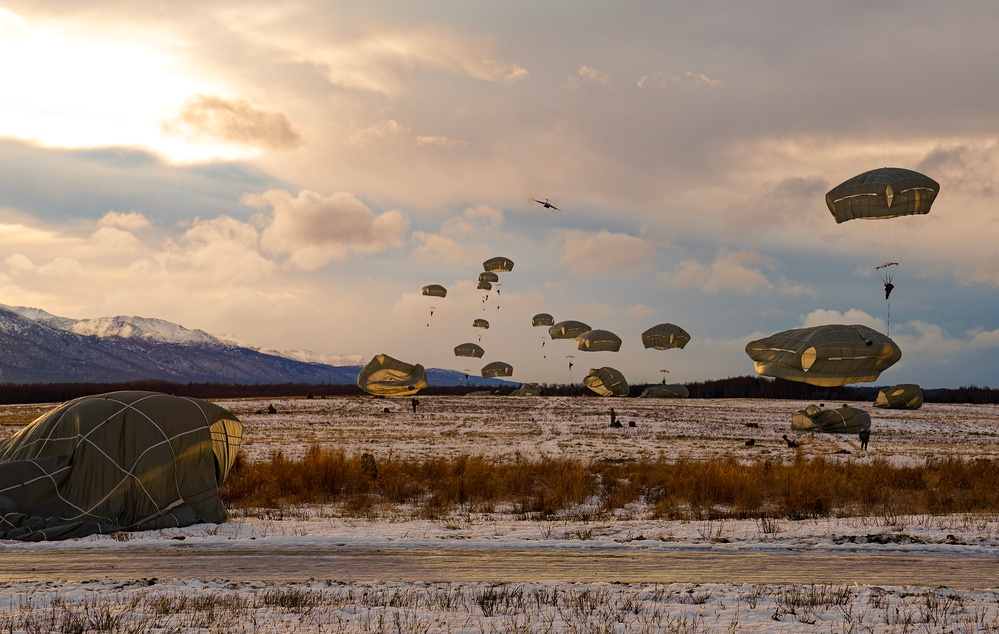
63	91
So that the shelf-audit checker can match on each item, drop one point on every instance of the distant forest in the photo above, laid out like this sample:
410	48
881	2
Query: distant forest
735	387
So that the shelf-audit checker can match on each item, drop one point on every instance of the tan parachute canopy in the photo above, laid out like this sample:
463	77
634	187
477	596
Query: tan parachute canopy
385	376
598	341
497	368
120	461
498	265
488	276
468	350
484	286
665	336
842	420
826	356
435	290
606	381
568	329
902	396
674	390
480	323
542	319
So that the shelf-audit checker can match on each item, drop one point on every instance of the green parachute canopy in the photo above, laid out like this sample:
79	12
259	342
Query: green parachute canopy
887	192
826	356
488	276
568	329
496	369
469	350
498	265
598	341
480	323
606	381
842	420
435	290
665	336
386	376
120	461
902	396
542	319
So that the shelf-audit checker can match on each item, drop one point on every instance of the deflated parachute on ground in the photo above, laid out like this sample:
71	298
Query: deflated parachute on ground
665	336
116	462
606	381
674	390
826	356
385	376
842	420
902	396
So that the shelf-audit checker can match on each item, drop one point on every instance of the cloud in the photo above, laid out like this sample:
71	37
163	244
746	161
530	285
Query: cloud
313	230
474	220
19	264
659	79
603	252
234	121
383	130
434	248
588	76
440	141
740	271
131	221
852	316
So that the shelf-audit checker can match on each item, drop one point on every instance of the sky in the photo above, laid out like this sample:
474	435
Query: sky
293	175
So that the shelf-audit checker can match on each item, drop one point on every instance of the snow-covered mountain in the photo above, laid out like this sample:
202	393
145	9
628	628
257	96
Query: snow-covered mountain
38	347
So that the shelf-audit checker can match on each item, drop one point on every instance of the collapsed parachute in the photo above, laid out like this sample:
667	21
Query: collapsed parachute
497	368
665	336
825	356
902	396
674	390
527	389
606	381
385	376
598	341
469	350
568	329
842	420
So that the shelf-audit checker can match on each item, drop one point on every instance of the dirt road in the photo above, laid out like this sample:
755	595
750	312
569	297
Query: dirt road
298	563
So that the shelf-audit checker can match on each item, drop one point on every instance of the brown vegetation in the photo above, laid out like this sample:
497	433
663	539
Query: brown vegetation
716	488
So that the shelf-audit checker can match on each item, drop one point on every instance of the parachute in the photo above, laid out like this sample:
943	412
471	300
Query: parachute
484	286
488	276
469	350
606	381
826	356
435	290
842	420
674	390
598	341
893	196
665	336
497	368
498	265
385	376
902	396
480	323
542	319
568	329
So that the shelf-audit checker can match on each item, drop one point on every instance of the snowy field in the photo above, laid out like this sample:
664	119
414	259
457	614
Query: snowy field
504	427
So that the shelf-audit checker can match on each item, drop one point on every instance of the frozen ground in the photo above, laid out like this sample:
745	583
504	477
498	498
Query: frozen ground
504	427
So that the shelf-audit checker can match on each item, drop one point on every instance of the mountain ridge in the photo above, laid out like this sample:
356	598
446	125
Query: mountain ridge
39	347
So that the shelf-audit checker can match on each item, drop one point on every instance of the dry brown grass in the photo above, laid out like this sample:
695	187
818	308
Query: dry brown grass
715	488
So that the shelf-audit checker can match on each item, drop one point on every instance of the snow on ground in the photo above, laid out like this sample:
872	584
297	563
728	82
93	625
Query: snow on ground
504	427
